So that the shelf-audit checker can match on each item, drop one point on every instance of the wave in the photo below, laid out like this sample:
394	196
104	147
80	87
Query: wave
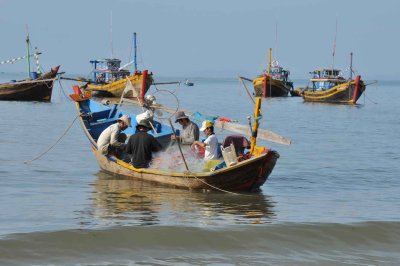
282	244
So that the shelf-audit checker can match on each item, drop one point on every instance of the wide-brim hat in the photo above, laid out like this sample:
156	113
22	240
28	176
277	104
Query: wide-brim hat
180	115
144	123
126	119
206	124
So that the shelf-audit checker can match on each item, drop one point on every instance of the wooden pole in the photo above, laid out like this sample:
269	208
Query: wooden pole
257	114
179	145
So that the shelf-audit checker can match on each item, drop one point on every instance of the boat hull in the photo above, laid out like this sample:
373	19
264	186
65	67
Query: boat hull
141	81
345	93
268	87
30	90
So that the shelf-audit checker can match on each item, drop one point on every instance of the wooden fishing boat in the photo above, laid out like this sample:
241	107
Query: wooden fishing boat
247	175
110	80
39	89
329	86
275	82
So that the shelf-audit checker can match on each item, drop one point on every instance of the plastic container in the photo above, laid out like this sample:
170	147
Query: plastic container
229	155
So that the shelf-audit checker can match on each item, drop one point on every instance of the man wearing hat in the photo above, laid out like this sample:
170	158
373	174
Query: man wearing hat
210	144
190	131
141	146
111	140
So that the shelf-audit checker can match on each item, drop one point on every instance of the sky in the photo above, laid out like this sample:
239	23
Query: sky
207	38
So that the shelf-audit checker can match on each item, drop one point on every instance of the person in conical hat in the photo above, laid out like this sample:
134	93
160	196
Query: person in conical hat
190	131
210	144
112	140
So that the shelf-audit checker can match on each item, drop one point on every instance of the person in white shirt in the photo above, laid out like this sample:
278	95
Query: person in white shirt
112	140
210	144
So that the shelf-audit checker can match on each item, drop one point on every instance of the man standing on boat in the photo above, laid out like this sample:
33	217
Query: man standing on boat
111	140
141	146
190	131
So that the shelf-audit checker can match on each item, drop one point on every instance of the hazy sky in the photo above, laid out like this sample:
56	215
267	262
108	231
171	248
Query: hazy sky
207	37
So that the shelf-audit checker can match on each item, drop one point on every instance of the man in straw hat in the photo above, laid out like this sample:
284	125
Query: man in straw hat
111	140
190	131
210	144
141	146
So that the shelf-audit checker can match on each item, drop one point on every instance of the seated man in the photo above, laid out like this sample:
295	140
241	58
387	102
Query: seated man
141	145
211	143
190	131
111	140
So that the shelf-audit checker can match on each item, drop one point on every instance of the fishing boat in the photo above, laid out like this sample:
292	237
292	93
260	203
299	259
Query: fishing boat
109	78
37	87
328	86
247	175
274	82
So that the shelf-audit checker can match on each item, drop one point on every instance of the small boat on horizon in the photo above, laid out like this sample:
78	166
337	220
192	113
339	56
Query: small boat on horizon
274	82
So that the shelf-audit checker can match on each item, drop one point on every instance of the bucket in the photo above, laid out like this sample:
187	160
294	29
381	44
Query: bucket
229	155
34	75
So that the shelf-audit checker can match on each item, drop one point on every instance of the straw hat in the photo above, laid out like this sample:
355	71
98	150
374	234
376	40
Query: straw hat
180	115
126	119
206	124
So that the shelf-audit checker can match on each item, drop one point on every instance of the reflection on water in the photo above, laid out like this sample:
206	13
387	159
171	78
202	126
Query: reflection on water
123	201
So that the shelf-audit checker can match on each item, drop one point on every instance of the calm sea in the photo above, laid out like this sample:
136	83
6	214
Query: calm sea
332	199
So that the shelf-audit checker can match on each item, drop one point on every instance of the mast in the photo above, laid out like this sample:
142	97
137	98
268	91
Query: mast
28	52
351	65
134	51
269	60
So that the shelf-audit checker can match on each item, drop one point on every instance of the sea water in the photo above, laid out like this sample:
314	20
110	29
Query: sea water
332	199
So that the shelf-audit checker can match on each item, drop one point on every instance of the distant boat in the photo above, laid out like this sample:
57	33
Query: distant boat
188	83
38	87
274	82
329	86
110	79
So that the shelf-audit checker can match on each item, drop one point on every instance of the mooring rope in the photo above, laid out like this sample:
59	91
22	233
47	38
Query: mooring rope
59	139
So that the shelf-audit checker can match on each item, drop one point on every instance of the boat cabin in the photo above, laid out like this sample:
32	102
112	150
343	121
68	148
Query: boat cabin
278	73
324	79
108	70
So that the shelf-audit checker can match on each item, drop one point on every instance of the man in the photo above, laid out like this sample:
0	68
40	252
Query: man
211	143
141	145
190	131
111	140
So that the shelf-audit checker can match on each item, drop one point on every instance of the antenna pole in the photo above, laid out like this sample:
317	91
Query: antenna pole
134	51
111	36
334	47
351	65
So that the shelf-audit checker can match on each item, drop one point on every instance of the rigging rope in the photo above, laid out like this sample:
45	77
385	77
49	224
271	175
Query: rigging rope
59	139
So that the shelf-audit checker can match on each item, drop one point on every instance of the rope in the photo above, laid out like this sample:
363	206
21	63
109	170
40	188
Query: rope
59	139
62	90
34	81
187	174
